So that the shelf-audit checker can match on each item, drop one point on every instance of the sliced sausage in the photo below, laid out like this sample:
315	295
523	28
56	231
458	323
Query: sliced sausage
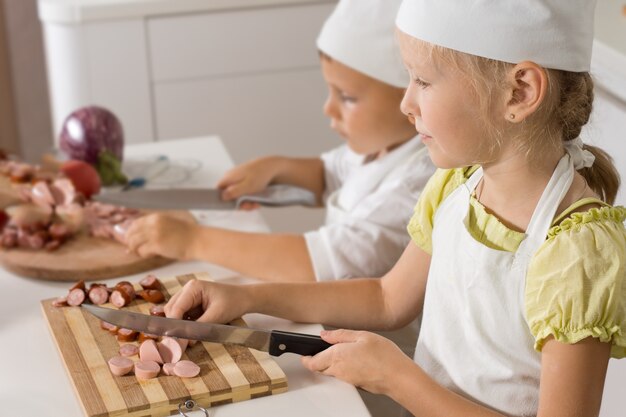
151	296
98	294
146	369
80	284
76	297
126	335
119	298
186	369
129	350
120	365
60	302
126	287
147	336
170	349
158	310
151	282
112	328
148	351
168	368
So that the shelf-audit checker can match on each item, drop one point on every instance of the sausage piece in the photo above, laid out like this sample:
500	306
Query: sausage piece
148	351
151	282
119	298
157	310
126	287
112	328
151	296
170	349
98	294
60	302
76	297
126	335
129	350
120	365
146	369
147	336
168	368
186	369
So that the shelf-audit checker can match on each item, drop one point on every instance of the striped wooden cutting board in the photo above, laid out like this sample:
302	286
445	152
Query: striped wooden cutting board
228	373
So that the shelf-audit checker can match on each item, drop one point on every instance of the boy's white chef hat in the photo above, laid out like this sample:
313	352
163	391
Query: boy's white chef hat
361	35
552	33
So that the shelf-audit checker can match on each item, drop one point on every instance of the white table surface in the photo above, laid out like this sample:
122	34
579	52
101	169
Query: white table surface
33	380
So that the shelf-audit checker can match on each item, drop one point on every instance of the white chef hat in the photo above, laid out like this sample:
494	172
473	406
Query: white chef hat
361	35
552	33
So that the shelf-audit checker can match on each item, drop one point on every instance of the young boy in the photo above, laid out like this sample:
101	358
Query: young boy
369	185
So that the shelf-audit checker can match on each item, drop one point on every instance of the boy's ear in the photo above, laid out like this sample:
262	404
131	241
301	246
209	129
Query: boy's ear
527	86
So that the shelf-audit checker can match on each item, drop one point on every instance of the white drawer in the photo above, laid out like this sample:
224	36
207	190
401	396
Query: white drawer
269	113
235	42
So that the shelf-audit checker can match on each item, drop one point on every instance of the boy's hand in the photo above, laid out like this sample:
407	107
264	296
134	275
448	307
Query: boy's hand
363	359
220	303
160	234
248	178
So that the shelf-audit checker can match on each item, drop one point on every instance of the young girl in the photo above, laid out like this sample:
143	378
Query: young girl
369	186
518	261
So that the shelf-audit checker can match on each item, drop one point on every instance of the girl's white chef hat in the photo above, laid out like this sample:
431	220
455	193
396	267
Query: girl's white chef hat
552	33
361	35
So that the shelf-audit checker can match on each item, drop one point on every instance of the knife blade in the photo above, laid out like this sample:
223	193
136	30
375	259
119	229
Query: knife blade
275	342
206	198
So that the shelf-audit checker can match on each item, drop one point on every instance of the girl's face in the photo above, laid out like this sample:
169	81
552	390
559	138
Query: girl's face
364	111
441	104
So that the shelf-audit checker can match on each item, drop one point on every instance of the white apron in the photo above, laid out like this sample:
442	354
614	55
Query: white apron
474	338
341	203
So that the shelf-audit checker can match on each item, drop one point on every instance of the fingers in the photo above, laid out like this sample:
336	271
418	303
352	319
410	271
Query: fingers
340	336
249	206
320	362
184	300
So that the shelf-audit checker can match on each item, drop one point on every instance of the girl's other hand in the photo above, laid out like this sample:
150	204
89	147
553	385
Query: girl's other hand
248	178
220	303
363	359
160	234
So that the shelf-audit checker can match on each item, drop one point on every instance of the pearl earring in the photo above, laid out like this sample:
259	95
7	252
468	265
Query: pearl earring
512	116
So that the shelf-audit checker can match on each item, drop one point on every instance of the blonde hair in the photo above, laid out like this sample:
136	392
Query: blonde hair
559	118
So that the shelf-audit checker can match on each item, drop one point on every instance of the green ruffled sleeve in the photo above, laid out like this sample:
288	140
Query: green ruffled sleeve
576	282
439	186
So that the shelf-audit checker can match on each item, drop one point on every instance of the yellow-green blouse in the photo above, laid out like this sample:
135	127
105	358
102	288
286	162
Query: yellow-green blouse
576	282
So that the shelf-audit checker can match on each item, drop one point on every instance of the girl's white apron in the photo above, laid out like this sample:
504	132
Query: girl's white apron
474	337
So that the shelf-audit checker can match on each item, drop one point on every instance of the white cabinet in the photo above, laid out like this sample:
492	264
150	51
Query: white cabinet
247	70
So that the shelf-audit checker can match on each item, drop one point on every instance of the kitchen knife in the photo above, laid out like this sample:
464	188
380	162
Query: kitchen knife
275	342
205	198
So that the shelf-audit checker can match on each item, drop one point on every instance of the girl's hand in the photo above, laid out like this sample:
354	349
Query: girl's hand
363	359
160	234
220	303
248	178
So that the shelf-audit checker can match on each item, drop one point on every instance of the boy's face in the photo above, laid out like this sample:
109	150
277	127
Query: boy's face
364	111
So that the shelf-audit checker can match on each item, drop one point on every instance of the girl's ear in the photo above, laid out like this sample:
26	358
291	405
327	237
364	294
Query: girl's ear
527	86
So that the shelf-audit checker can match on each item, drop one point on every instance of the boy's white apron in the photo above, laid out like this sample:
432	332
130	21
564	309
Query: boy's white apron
474	337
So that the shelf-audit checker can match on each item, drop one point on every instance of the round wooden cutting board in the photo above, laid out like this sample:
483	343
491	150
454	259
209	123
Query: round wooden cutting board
82	257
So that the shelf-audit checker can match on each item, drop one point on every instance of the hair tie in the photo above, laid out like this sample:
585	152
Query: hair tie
581	158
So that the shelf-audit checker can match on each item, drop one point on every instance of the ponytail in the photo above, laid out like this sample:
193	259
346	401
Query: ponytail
573	111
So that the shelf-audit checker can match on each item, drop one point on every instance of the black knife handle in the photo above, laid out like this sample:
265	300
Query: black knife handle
300	343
